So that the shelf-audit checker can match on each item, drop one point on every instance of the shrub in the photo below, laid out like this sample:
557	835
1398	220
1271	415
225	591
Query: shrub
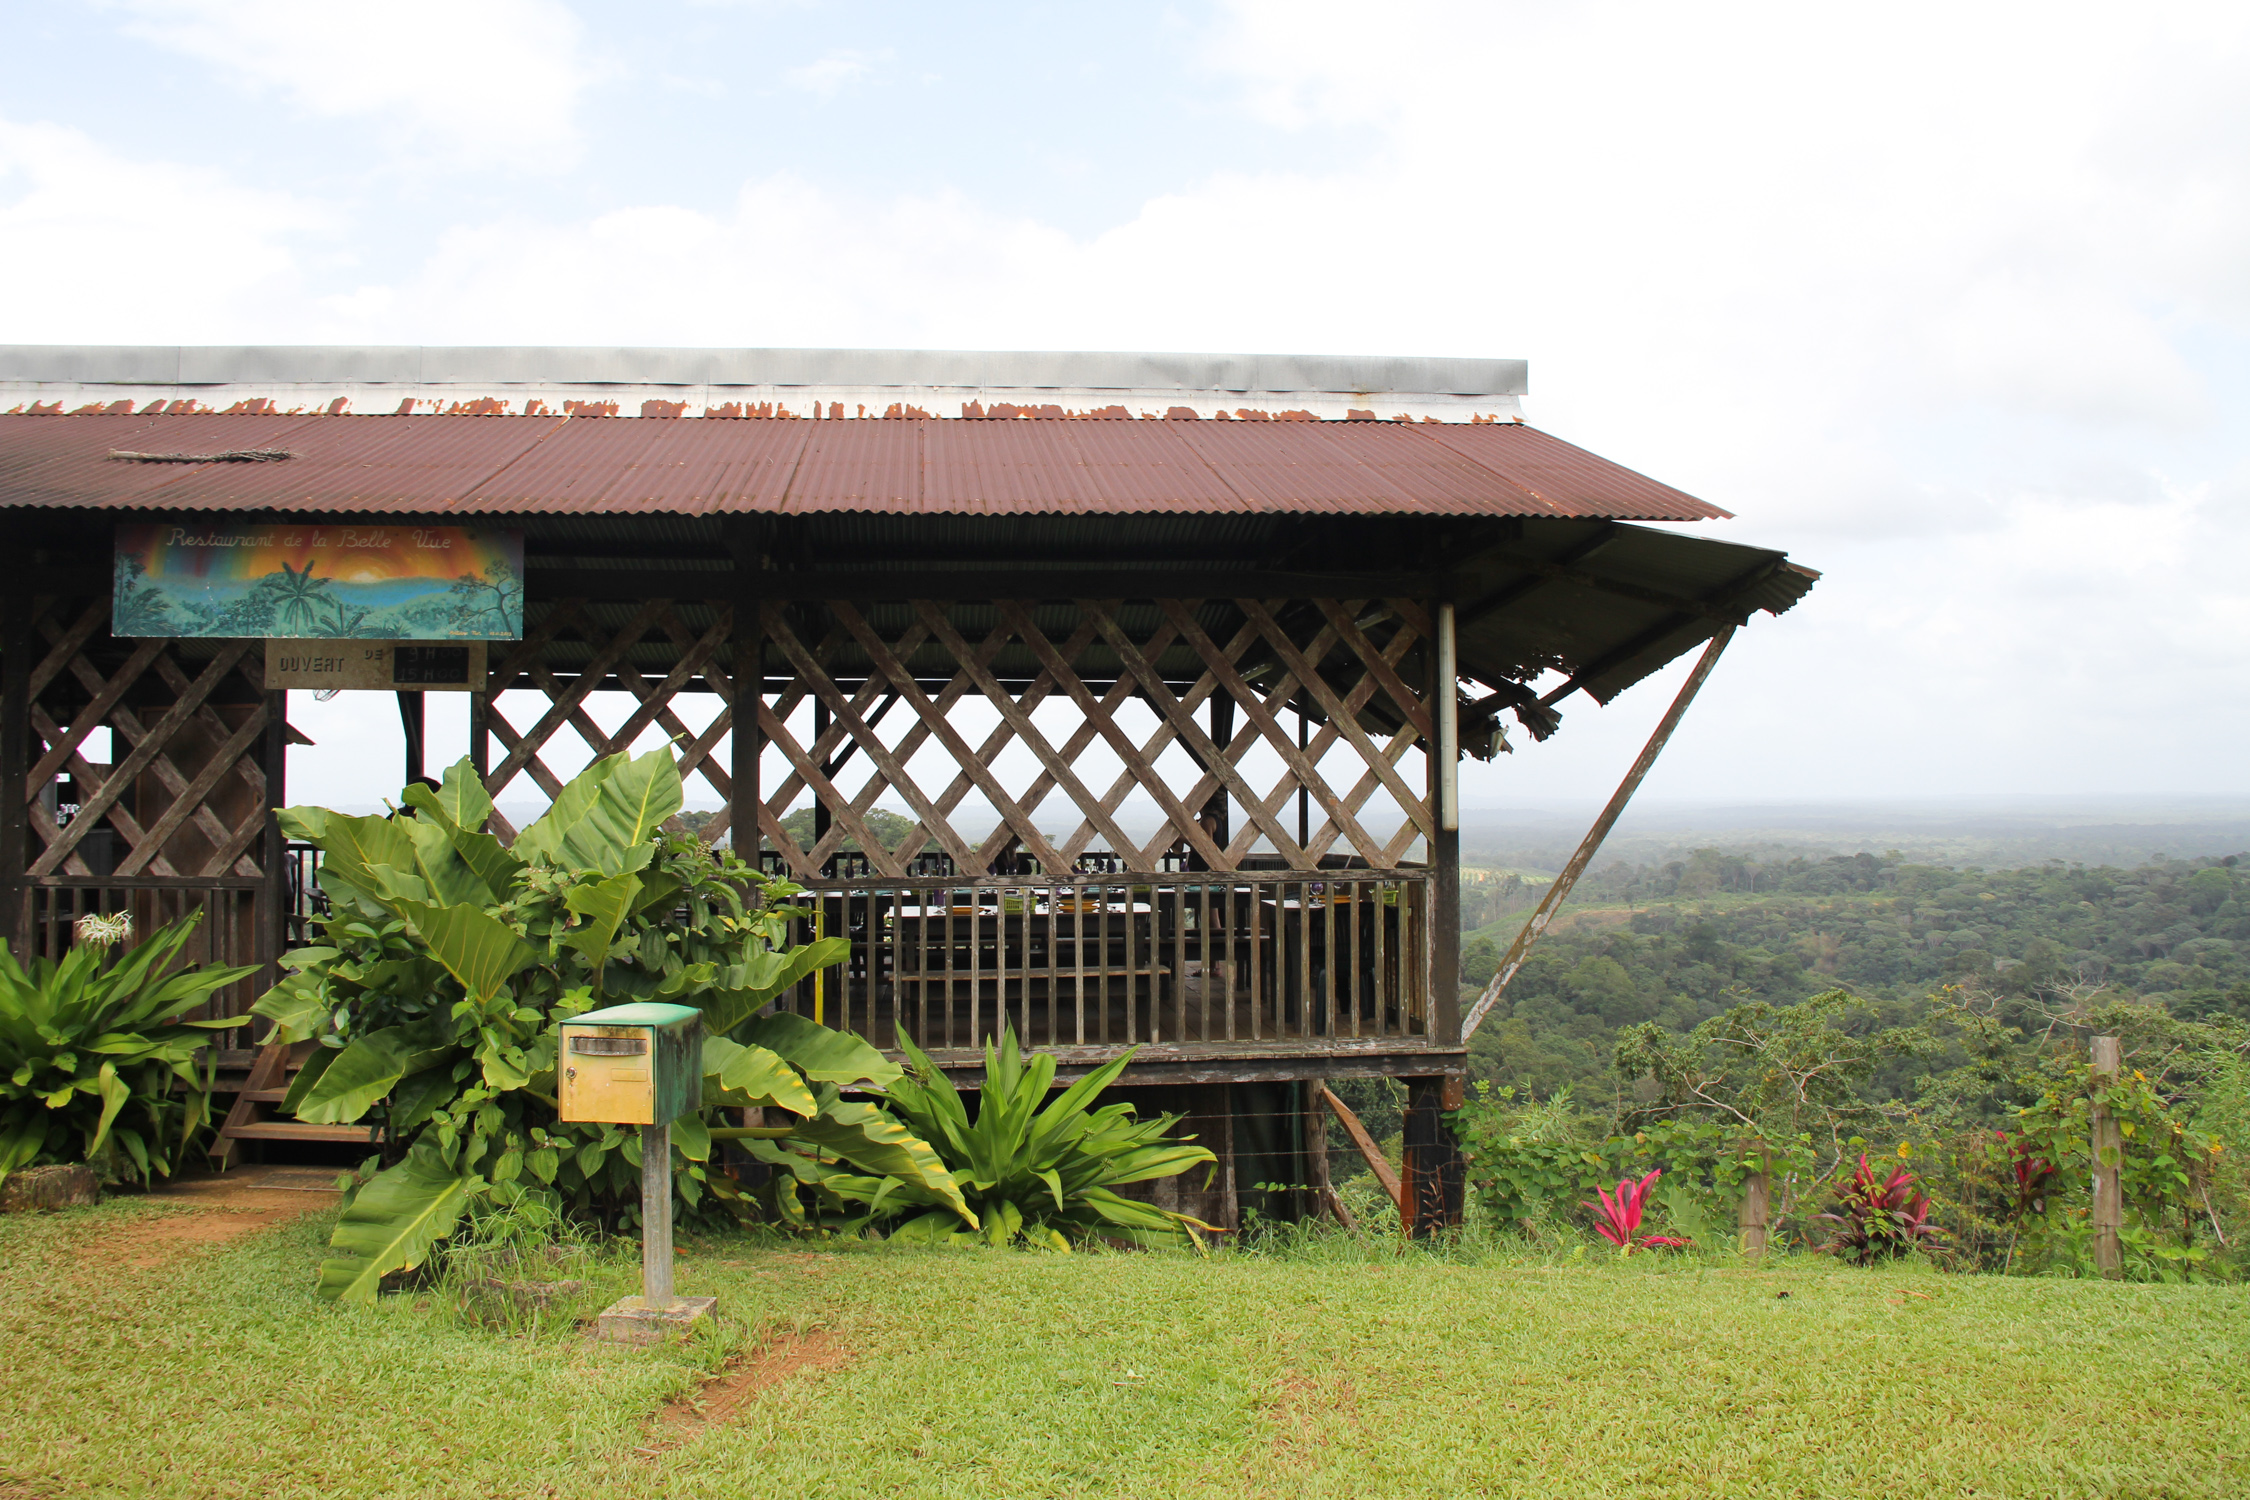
97	1063
1044	1176
451	959
1879	1219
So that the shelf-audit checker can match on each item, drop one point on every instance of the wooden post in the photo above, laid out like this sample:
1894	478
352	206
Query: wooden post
1756	1212
411	720
1431	1194
273	924
2108	1147
1445	848
15	764
480	732
656	1215
748	649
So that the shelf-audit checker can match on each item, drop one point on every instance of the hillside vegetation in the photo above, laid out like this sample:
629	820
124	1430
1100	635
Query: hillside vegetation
1681	942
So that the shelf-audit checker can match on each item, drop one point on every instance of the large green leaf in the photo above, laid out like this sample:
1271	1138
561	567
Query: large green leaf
543	840
392	1224
307	1076
631	804
821	1053
494	863
461	807
356	1079
349	845
475	946
296	1006
602	907
459	801
451	880
757	1073
115	1093
874	1142
747	987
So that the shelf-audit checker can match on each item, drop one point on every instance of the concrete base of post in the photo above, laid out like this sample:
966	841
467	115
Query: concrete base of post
636	1320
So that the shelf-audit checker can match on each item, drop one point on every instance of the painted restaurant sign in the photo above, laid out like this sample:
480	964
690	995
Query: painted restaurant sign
319	581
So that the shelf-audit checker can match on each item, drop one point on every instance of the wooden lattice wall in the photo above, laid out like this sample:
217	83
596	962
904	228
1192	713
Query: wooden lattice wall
880	698
176	820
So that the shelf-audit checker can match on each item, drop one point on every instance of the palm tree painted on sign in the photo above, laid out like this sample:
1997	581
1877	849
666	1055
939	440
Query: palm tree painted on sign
301	599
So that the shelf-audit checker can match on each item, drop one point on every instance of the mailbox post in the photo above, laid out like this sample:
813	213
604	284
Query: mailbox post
640	1065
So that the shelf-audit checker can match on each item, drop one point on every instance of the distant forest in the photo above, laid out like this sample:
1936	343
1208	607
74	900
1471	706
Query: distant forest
1679	942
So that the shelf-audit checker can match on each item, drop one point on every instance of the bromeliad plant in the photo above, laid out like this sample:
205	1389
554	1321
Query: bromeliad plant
1879	1218
451	959
1037	1171
1618	1220
97	1060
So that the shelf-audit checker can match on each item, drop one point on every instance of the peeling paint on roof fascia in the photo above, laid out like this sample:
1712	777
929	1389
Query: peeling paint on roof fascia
368	399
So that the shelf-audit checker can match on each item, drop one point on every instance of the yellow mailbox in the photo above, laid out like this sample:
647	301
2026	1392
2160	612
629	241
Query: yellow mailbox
636	1064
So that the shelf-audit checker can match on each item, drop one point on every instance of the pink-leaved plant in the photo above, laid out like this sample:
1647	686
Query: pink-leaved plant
1618	1220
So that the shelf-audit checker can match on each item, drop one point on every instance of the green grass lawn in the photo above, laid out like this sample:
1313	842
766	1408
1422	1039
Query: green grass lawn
981	1373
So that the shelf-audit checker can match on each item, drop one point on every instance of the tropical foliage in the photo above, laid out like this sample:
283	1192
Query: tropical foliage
1681	942
1879	1217
97	1058
1618	1220
1037	1171
450	960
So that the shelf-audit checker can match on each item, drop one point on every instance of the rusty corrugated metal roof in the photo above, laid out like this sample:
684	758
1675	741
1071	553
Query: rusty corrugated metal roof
430	465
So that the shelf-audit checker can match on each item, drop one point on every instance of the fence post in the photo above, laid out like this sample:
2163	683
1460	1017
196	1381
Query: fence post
2108	1146
1756	1208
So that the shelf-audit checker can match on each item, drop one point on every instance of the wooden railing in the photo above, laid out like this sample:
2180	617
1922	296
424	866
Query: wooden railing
1270	959
1278	959
47	909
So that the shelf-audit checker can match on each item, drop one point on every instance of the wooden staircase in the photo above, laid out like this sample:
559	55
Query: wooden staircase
254	1118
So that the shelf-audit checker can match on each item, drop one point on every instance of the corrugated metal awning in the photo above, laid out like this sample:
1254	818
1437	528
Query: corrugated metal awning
500	466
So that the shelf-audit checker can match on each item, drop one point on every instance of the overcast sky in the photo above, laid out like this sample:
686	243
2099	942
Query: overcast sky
1951	301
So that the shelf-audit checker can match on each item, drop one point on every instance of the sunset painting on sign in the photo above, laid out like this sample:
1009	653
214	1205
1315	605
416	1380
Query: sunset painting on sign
319	581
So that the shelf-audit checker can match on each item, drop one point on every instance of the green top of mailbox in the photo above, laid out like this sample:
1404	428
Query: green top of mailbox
641	1013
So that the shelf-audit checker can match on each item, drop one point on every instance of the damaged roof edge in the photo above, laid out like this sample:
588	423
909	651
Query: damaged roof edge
313	364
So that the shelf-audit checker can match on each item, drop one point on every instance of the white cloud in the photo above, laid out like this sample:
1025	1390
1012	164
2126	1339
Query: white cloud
831	74
1952	302
99	248
475	82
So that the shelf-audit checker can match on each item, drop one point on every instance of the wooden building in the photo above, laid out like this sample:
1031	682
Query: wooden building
1163	665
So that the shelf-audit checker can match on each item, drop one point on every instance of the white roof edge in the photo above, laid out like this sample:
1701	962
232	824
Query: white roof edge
144	365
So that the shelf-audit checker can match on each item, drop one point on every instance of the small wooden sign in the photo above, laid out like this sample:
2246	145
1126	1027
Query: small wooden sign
381	666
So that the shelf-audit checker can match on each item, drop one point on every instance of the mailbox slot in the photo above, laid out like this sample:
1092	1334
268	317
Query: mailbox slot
609	1046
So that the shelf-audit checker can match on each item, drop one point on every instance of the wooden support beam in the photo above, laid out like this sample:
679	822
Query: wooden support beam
273	855
15	758
746	650
1366	1145
1513	959
546	580
1433	1192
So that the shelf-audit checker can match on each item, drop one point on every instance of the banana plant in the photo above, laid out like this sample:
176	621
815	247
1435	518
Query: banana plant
98	1059
450	960
1036	1171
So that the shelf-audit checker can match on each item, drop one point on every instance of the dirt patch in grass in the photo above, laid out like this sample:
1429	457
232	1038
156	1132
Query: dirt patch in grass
742	1381
1304	1411
208	1211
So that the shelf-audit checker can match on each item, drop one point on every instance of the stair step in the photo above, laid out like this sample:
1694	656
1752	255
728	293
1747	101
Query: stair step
296	1130
265	1096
